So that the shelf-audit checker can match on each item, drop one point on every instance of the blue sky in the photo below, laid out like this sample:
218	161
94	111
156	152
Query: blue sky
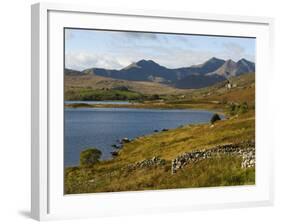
115	49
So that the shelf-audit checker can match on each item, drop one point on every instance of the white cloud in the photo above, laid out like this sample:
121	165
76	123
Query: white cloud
175	58
115	50
83	60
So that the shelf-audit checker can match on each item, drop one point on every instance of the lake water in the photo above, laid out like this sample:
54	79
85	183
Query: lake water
103	127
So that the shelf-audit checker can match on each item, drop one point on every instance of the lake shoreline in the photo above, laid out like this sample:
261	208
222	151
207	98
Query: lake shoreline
167	146
158	128
210	106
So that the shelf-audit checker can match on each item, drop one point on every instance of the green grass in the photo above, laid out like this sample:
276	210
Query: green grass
98	82
101	94
215	98
221	171
112	175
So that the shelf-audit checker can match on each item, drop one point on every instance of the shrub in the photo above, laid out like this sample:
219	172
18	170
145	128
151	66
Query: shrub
238	108
90	156
243	108
215	118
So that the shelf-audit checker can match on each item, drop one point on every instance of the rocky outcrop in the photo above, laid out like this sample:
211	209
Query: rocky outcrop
246	150
119	146
248	160
114	153
124	140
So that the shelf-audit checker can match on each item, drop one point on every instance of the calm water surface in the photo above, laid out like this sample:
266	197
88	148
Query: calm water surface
103	127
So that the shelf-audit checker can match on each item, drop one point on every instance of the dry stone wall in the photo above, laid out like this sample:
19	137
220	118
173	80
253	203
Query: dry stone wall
154	161
246	150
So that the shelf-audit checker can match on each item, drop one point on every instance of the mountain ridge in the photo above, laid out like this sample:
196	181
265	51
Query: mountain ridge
196	76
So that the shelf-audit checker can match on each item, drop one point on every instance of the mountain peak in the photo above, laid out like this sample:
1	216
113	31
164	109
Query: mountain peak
245	66
211	64
232	68
230	64
230	61
243	60
213	59
144	62
132	65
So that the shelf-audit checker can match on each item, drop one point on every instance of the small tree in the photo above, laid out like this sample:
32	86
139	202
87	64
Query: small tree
215	118
243	108
90	156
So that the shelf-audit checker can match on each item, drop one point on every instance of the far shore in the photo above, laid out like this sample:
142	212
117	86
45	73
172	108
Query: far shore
210	106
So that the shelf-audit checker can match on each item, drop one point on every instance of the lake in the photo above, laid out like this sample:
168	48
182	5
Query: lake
103	127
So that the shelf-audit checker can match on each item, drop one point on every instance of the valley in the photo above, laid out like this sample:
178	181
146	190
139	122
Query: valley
145	162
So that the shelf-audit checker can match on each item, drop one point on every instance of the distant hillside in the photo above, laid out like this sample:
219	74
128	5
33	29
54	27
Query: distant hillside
242	90
71	72
208	73
144	70
98	82
198	81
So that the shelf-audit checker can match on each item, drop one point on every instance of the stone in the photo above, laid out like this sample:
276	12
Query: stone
247	154
114	153
125	140
115	146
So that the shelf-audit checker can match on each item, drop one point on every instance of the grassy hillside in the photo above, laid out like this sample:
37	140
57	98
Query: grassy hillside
239	105
112	175
217	97
97	82
242	90
102	94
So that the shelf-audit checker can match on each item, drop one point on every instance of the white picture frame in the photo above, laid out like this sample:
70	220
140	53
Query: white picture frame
48	201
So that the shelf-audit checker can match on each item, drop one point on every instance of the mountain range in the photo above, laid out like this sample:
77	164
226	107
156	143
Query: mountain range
208	73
